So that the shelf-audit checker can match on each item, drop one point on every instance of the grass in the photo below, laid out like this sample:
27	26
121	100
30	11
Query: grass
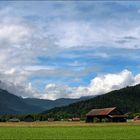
69	131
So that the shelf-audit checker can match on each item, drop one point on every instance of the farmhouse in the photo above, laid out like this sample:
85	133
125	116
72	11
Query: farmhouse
106	114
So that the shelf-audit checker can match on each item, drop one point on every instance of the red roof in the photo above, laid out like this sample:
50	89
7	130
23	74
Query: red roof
103	111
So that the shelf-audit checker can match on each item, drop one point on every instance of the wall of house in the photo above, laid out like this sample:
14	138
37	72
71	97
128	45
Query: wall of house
116	112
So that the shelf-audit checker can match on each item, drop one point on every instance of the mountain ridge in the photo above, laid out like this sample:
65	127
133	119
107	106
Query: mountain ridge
12	104
48	104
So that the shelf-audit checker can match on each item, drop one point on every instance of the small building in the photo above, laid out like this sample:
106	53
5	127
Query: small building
29	118
105	114
50	119
136	118
14	120
75	119
69	119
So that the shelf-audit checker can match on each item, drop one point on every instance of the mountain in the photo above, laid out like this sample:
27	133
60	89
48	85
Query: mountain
49	104
126	99
12	104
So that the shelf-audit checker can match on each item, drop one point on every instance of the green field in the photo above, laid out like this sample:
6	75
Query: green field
69	131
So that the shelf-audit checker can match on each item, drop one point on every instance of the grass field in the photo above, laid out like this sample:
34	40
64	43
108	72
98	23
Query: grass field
69	131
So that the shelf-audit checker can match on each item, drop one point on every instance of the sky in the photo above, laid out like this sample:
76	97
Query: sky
68	49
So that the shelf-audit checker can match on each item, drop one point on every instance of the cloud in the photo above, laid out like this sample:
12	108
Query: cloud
19	90
16	82
98	85
26	34
53	91
108	82
15	33
68	30
69	34
21	44
59	71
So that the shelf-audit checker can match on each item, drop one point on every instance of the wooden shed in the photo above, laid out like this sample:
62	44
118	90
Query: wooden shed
136	118
75	119
29	118
50	119
14	120
106	114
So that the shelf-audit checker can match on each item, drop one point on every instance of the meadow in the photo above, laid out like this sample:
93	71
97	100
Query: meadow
69	131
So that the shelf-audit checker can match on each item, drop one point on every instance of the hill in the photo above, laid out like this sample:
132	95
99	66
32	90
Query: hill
126	99
12	104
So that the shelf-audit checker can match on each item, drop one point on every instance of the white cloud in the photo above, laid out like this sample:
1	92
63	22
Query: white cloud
15	33
137	79
16	82
19	90
53	91
109	82
99	85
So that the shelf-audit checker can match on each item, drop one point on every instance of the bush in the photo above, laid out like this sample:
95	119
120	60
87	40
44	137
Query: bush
105	120
96	120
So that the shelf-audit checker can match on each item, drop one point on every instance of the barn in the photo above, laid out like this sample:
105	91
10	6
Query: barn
106	114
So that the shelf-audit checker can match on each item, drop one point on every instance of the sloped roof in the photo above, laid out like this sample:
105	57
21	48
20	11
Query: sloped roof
103	111
14	120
